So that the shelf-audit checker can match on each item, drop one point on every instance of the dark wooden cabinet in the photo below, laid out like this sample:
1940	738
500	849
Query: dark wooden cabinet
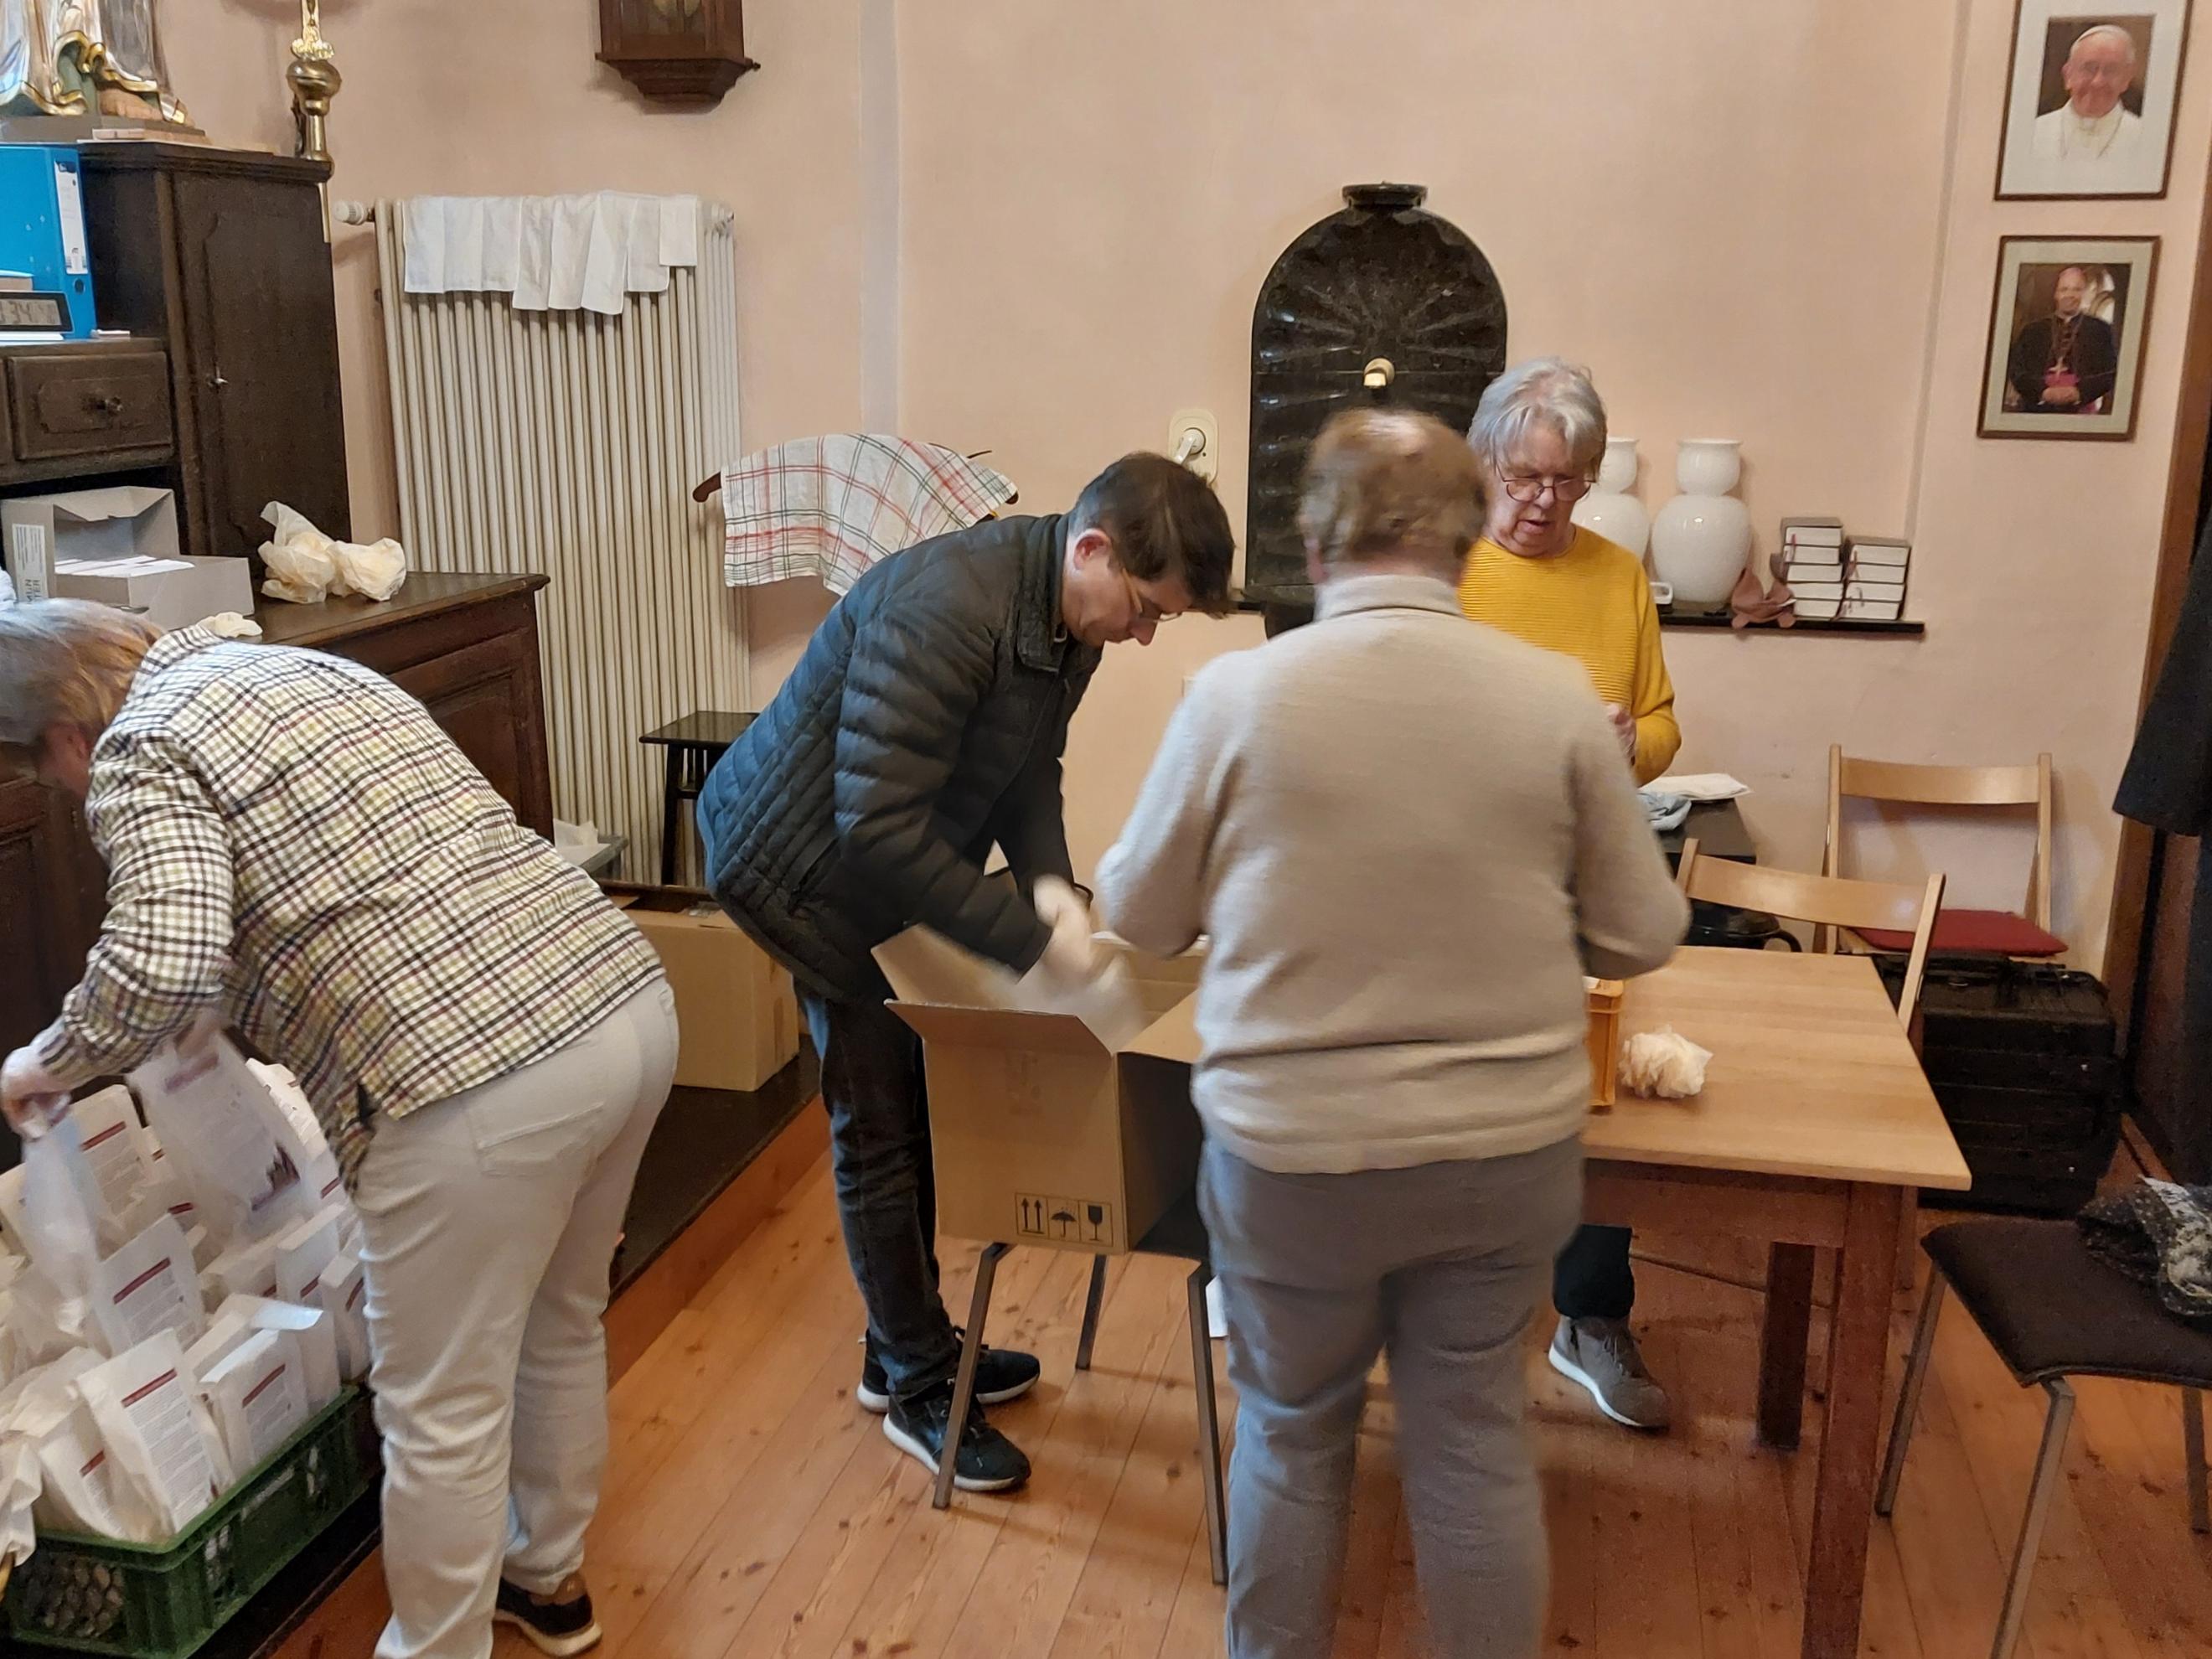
84	412
51	892
466	646
221	257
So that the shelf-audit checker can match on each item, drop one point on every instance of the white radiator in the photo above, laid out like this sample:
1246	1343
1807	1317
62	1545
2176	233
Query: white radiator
567	442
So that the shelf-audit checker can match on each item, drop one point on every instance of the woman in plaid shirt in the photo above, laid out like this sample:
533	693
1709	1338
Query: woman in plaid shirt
294	848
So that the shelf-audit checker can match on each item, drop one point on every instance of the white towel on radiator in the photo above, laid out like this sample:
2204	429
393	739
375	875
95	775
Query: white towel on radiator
549	252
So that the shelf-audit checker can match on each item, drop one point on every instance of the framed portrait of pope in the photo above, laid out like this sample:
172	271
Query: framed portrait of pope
2089	103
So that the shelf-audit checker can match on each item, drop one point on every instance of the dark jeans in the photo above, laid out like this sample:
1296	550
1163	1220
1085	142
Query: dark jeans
871	1080
1592	1278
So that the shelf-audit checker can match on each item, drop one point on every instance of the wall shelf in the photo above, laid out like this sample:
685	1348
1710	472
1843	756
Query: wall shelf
1719	619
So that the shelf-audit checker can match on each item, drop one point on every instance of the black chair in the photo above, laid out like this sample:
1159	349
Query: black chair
1179	1233
2051	1309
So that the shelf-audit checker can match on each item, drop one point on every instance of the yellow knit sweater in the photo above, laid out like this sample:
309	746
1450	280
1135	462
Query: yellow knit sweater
1591	603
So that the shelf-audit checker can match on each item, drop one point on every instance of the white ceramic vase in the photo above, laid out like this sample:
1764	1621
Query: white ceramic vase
1610	510
1701	540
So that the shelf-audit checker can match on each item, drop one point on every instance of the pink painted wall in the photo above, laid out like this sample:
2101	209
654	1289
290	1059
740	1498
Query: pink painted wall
1745	217
1041	230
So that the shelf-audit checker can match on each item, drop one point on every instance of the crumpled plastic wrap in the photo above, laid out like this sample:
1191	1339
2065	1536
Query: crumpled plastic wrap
1663	1064
306	567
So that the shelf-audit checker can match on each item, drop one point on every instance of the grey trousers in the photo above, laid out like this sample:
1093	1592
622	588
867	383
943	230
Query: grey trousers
1441	1266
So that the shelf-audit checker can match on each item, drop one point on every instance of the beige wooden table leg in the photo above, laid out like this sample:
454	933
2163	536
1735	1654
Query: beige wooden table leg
1844	1492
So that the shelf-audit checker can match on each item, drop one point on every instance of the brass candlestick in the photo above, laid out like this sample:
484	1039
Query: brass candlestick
315	81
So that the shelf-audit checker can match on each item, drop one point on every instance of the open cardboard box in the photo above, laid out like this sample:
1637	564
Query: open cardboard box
1048	1132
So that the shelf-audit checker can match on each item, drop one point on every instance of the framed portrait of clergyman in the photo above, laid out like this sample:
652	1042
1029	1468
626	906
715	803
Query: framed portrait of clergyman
2066	337
2089	103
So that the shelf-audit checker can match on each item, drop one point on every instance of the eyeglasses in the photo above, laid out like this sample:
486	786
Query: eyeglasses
1145	609
1525	487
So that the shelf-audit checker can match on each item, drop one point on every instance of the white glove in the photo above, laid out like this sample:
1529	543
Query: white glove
31	1096
1073	956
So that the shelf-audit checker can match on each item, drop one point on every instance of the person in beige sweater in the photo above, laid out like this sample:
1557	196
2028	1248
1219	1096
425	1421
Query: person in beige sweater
1407	839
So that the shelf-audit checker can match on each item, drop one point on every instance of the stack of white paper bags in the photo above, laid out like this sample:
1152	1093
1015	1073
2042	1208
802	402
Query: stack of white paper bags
178	1298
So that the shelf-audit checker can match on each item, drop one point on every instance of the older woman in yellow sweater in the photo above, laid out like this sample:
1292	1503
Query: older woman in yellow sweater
1540	431
1540	577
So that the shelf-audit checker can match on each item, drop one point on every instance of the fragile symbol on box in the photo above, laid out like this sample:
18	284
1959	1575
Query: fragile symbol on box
1070	1220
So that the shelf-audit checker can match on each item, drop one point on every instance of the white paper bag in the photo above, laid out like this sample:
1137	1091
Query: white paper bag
344	1292
79	1492
150	1284
257	1394
227	1326
228	1138
304	1251
311	1327
142	1403
107	1126
245	1269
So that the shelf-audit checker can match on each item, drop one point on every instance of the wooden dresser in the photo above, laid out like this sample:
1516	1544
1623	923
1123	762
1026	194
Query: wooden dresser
466	646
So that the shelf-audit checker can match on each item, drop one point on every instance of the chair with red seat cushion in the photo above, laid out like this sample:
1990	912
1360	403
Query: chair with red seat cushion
1998	931
2024	933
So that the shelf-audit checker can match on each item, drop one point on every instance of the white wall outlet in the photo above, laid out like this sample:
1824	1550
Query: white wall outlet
1195	439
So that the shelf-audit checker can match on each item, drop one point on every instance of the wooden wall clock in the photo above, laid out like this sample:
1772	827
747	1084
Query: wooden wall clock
680	51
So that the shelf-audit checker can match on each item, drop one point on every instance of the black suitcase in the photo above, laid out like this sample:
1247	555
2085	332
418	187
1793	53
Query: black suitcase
2022	1058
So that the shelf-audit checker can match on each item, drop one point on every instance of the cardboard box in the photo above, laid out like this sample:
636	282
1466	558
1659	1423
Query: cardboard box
1045	1132
738	1017
123	543
1048	1134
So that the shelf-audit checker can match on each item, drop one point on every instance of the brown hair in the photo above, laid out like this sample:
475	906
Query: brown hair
1164	521
1391	484
64	662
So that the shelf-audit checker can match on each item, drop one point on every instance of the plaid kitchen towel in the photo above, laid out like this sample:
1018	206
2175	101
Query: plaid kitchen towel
832	507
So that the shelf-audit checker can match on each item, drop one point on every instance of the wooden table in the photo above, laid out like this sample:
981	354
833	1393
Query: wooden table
693	745
1814	1121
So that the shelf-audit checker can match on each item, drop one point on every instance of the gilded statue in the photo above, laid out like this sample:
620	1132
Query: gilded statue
85	57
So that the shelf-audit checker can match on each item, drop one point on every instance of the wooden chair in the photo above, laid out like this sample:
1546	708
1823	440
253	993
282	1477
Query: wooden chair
1831	904
2051	1309
2026	932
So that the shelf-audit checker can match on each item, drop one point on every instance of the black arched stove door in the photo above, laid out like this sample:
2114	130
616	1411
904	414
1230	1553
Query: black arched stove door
1381	280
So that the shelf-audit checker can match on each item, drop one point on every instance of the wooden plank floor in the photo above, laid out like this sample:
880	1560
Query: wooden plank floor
754	1512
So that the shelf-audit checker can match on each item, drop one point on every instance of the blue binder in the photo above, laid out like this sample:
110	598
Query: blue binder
42	238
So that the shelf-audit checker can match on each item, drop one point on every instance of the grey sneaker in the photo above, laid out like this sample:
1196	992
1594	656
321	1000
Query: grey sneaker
1602	1355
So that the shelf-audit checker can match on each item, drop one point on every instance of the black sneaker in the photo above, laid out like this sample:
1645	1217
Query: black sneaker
559	1624
987	1460
1000	1375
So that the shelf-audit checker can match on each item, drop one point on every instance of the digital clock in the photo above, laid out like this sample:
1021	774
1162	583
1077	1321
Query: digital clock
32	313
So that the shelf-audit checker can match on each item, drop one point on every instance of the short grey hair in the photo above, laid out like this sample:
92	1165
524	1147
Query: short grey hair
64	662
2126	37
1547	391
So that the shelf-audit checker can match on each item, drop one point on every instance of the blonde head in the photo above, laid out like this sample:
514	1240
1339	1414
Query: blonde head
1390	484
65	662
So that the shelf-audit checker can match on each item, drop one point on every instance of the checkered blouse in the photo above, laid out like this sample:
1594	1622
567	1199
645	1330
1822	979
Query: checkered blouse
290	838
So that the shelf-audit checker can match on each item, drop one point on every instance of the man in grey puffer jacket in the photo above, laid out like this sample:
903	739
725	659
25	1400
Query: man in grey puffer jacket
923	727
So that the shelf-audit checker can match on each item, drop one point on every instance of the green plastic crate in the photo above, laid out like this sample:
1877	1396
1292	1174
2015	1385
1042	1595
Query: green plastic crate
164	1600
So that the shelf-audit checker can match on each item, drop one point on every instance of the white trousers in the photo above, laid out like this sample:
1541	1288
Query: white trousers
489	1226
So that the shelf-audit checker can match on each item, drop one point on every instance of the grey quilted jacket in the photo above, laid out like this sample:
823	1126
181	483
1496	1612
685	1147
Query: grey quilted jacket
923	725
